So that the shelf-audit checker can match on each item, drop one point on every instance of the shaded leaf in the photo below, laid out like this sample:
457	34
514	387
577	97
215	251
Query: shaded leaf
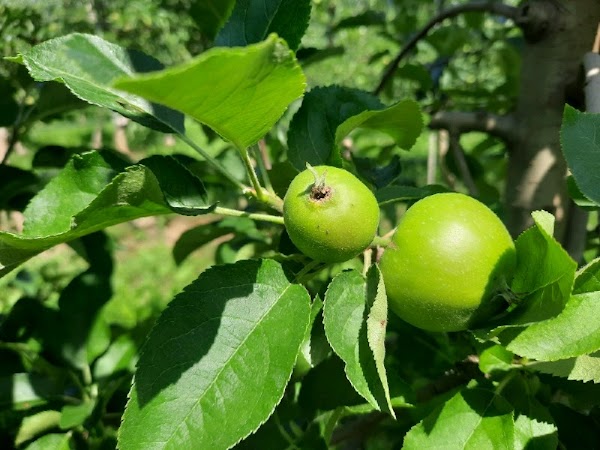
575	430
201	235
305	360
580	200
328	114
17	187
326	387
534	426
253	20
365	18
88	66
587	278
238	92
210	15
580	142
232	334
54	99
311	55
25	390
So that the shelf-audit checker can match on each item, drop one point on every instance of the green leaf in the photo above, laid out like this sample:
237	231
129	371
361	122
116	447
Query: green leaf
587	278
406	194
577	430
88	66
328	114
183	192
220	354
85	334
305	361
253	20
326	387
26	390
17	186
75	415
201	235
120	356
544	274
89	195
238	92
54	99
580	141
53	441
581	368
534	426
355	319
76	186
9	108
580	200
210	15
311	135
472	419
574	332
402	121
36	424
365	18
495	358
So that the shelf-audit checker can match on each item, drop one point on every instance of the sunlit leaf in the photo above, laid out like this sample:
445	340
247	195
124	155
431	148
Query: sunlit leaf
239	92
221	353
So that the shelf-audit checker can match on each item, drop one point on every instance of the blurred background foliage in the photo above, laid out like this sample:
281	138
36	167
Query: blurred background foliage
468	63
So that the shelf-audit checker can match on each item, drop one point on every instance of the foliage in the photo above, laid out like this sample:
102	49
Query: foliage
265	348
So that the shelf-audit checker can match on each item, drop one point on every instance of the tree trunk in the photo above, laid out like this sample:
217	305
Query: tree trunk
551	70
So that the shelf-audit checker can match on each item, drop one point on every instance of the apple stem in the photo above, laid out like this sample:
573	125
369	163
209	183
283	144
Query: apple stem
319	179
319	192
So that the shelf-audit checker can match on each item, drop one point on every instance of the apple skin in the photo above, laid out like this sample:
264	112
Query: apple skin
448	259
338	225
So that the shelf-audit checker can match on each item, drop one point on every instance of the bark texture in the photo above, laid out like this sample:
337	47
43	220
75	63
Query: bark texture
551	70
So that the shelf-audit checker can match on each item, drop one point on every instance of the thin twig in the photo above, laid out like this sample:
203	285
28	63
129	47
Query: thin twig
261	157
254	216
492	6
22	116
307	269
262	195
216	164
500	126
432	156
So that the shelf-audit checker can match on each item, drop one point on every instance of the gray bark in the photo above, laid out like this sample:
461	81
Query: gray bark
551	69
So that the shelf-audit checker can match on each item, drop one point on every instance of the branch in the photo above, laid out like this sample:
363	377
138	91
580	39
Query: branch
503	127
576	236
461	162
490	6
591	63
